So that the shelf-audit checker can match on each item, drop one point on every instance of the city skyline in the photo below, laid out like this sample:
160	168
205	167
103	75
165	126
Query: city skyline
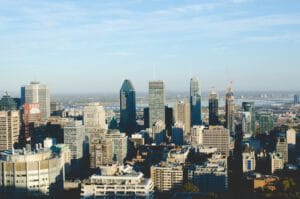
77	47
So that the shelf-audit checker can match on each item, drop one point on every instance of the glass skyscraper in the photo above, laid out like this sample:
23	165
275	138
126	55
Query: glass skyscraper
229	110
213	107
127	107
250	107
156	102
195	101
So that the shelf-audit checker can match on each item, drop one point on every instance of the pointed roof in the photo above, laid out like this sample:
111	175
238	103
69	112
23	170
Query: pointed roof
127	86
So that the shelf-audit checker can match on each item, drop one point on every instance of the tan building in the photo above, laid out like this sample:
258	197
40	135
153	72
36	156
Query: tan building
182	114
94	117
167	176
9	129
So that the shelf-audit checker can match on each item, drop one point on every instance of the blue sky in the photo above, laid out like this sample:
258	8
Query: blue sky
92	46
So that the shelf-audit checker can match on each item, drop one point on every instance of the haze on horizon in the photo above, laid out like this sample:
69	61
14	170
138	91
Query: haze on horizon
92	46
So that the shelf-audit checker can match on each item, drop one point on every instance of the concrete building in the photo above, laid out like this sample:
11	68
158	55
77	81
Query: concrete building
249	162
37	93
282	147
247	124
158	133
197	135
178	134
211	176
9	129
38	172
167	176
74	137
119	145
182	114
178	155
218	137
195	102
277	162
117	181
291	138
156	102
94	117
101	150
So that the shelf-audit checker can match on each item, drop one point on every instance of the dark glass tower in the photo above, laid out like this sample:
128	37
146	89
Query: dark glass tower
229	110
195	101
213	109
7	103
127	108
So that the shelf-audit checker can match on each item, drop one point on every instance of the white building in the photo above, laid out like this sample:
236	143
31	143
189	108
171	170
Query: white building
117	182
94	117
291	138
211	176
9	129
119	145
38	93
178	155
40	172
197	135
277	162
249	163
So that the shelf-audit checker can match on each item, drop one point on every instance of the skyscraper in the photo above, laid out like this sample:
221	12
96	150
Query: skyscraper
265	123
7	103
213	108
119	145
249	107
94	117
182	115
9	129
37	93
296	99
156	102
127	107
229	110
195	102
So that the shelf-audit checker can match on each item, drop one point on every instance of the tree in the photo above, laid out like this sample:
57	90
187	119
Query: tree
189	187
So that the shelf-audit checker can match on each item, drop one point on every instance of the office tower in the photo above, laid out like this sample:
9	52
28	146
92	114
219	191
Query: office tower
169	120
277	162
94	117
249	163
9	129
156	102
74	133
158	133
247	123
167	176
249	107
146	118
182	114
213	107
229	110
291	138
282	147
117	181
100	150
7	103
31	173
38	93
265	123
30	115
178	134
197	135
119	145
127	108
212	176
296	99
195	102
218	137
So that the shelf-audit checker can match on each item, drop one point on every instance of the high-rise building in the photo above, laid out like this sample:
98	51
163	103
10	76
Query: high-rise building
250	108
169	120
195	102
265	123
249	163
31	115
117	182
217	137
9	129
94	117
291	138
32	173
247	123
197	135
230	110
7	103
213	107
212	176
127	108
167	176
156	102
119	145
296	99
178	134
282	148
100	150
158	134
74	133
277	162
38	93
182	114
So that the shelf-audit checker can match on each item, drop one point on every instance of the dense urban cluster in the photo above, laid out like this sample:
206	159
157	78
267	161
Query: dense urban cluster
186	149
